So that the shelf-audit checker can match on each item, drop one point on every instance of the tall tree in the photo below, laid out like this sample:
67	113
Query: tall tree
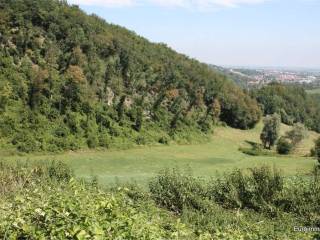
270	132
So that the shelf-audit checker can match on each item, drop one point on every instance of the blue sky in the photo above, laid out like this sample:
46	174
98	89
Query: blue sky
224	32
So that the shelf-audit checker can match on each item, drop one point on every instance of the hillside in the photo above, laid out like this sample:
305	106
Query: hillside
291	102
71	81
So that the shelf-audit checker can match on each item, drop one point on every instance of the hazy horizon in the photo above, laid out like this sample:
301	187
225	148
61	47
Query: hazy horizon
268	33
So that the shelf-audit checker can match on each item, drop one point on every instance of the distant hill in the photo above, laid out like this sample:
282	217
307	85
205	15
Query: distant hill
69	80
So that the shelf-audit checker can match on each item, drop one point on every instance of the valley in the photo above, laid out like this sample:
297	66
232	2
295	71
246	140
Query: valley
219	155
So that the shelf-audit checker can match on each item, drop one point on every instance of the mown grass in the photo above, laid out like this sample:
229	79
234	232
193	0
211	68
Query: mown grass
210	159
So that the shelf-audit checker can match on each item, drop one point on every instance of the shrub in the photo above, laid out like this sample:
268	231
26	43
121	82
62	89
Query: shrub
59	171
76	211
19	175
26	141
301	196
92	141
297	134
164	140
284	146
255	190
48	204
175	190
104	140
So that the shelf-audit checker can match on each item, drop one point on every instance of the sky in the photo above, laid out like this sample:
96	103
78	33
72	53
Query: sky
265	33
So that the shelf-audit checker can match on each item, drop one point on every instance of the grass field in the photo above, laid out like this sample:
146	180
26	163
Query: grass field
206	160
314	91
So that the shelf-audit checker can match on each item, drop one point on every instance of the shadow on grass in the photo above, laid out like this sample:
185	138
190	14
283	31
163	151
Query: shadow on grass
256	149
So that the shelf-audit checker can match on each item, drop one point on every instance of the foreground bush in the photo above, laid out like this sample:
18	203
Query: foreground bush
60	209
175	190
254	204
255	190
17	176
46	202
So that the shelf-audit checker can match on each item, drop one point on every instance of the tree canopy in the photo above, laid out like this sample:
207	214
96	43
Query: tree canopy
70	80
291	102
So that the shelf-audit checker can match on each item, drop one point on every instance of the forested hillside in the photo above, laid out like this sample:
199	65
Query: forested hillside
69	80
293	104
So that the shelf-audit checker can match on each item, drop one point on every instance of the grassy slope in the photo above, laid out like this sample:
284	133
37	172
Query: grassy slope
314	91
220	154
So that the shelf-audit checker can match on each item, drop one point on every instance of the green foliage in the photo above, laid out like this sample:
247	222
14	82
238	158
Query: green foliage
270	131
176	190
19	175
45	202
317	150
292	103
70	81
284	146
297	134
256	190
267	204
46	207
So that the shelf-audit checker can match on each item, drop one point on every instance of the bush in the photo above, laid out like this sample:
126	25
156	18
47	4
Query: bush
255	190
19	175
175	190
59	171
48	204
92	141
104	140
76	211
301	196
297	134
26	141
284	146
164	140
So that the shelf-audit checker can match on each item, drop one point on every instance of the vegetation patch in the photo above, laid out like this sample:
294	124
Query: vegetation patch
255	204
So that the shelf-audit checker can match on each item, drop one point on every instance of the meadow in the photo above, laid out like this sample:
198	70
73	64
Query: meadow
220	154
314	91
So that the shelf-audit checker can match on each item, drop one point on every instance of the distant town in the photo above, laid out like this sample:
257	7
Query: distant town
255	77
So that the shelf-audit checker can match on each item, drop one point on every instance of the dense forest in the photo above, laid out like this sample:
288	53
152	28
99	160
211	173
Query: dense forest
69	80
291	102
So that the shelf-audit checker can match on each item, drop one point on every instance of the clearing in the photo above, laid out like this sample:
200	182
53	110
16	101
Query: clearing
206	160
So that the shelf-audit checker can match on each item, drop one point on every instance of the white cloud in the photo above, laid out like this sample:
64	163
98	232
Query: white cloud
191	4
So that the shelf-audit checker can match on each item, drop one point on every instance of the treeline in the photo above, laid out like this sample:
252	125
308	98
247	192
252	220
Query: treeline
291	102
69	80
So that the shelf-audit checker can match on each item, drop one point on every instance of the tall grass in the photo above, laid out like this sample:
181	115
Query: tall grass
18	175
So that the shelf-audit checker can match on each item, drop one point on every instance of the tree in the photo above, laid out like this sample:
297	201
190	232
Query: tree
270	132
297	134
70	69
